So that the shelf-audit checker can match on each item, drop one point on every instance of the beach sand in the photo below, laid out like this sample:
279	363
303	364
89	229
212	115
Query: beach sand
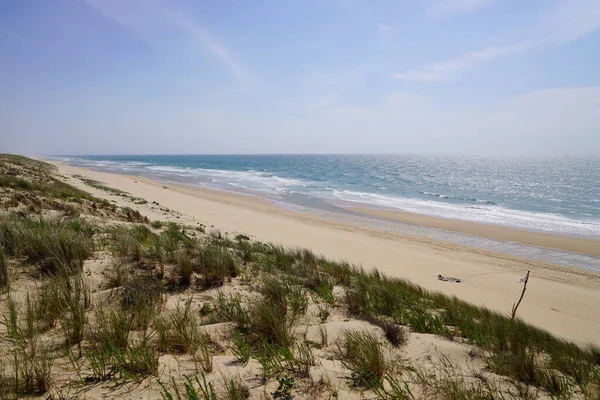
565	301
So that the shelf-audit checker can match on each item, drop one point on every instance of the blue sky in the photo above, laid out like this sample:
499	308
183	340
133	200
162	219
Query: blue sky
311	76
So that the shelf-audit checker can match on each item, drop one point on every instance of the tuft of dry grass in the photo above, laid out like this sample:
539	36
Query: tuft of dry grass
179	331
363	355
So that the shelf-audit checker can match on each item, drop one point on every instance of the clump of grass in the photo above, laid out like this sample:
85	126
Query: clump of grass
362	354
185	269
54	245
193	389
108	356
4	272
141	297
287	297
235	389
522	365
62	297
52	300
74	319
178	332
117	275
231	309
241	350
391	388
304	358
20	333
31	363
274	359
111	329
156	224
297	301
268	320
98	357
138	359
278	258
216	264
32	371
131	243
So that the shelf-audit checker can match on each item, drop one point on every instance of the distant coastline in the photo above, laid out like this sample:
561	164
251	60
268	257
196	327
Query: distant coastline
483	191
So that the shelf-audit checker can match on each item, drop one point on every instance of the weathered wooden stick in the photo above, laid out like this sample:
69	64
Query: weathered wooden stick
515	306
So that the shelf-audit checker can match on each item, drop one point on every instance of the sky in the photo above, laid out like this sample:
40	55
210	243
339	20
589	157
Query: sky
486	77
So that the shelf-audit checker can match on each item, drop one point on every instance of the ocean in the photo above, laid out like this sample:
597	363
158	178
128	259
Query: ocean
555	195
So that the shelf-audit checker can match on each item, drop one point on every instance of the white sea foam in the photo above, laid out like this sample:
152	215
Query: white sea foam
483	213
251	180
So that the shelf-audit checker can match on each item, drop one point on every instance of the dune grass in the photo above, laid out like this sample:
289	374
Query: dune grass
4	273
283	278
53	245
179	331
362	354
29	359
215	264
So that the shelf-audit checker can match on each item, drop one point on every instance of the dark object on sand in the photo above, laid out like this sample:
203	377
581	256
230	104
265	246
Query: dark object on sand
448	279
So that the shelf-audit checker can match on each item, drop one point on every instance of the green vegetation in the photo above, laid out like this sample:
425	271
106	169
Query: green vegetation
51	244
33	186
194	390
362	354
110	190
100	186
215	264
4	275
179	331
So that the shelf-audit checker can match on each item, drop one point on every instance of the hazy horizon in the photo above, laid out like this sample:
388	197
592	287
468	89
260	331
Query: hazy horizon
437	77
422	154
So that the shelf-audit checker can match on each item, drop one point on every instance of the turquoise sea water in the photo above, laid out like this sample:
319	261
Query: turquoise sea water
560	195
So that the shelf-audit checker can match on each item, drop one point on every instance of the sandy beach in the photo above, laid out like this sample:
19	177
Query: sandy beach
566	301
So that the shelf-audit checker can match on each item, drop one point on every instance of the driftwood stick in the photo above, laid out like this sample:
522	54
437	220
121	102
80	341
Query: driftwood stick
515	306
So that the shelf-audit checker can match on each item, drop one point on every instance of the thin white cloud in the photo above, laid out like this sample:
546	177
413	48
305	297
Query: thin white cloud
200	33
446	70
324	101
14	35
567	21
148	21
570	20
445	7
316	104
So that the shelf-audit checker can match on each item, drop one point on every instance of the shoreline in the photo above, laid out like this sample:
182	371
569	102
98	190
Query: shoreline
505	233
497	232
563	300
